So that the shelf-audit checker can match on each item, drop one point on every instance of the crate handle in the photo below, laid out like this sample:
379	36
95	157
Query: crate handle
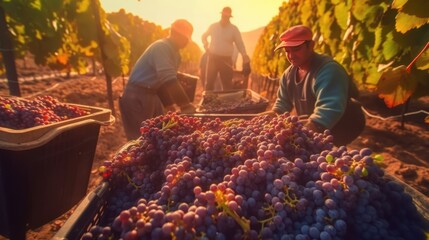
109	122
47	136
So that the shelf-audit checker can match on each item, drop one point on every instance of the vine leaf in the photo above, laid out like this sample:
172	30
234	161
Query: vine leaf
395	86
406	22
410	14
423	62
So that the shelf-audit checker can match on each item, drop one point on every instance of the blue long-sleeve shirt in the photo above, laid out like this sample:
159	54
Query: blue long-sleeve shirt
322	95
156	66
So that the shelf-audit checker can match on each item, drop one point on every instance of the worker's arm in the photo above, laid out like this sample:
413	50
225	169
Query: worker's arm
175	92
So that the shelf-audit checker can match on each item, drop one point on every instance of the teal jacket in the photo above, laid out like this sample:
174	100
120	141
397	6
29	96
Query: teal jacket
322	95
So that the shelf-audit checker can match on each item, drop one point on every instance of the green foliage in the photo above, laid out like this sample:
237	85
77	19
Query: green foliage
411	14
360	34
116	50
140	33
63	34
191	55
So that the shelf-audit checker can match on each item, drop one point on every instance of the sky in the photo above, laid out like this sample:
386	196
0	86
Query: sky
247	15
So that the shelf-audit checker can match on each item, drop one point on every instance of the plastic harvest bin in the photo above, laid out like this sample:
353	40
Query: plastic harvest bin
189	84
232	102
45	170
92	208
90	211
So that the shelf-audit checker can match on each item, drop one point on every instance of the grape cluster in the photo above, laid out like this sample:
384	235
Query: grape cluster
19	113
264	178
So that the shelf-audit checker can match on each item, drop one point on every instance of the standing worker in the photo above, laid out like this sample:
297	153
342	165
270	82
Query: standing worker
223	36
318	88
153	81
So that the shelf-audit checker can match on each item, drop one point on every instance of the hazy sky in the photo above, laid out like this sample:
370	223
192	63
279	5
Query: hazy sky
247	14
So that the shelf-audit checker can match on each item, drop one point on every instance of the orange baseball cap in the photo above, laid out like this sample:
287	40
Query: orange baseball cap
295	36
183	27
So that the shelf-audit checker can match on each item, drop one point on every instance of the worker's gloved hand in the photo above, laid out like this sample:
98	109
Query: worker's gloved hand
188	108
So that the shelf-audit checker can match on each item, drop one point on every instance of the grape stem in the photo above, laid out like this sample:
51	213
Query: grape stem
417	57
221	201
171	123
289	199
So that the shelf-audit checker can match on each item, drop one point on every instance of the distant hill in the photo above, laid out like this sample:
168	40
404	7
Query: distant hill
250	40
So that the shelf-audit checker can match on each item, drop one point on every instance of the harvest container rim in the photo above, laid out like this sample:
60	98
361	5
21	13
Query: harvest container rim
87	215
261	103
23	138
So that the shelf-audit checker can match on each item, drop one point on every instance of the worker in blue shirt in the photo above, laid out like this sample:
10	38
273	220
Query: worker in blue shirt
318	88
153	85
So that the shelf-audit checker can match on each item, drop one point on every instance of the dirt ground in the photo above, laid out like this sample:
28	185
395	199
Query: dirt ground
405	149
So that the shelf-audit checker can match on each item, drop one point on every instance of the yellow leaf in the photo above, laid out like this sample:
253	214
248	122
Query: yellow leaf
63	58
406	22
395	86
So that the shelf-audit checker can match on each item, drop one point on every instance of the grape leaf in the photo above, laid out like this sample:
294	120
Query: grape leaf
398	4
406	22
342	14
63	58
395	86
372	75
390	47
359	10
423	62
414	7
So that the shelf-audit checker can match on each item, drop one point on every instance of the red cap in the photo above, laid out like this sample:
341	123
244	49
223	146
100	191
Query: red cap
183	27
295	36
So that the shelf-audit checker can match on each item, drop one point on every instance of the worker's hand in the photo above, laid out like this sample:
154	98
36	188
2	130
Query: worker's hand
174	92
187	108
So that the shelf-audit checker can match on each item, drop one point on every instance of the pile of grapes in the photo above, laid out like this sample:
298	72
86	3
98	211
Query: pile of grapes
264	178
20	113
212	103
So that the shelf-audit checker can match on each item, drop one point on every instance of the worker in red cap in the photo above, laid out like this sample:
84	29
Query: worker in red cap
223	37
318	88
153	85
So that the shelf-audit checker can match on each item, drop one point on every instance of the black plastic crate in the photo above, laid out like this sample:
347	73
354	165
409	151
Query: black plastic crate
90	211
189	84
45	170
